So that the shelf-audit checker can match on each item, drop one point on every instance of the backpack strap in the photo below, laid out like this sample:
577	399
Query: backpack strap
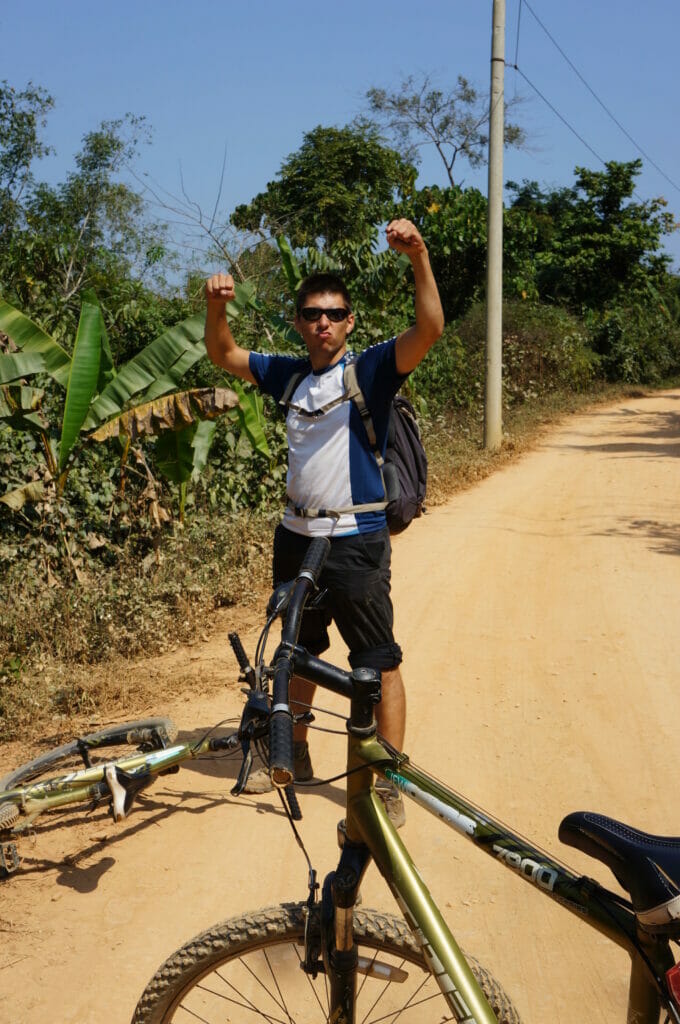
335	513
289	390
290	387
356	395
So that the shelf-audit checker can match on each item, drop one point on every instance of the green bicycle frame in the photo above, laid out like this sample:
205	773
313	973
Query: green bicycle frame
88	783
367	823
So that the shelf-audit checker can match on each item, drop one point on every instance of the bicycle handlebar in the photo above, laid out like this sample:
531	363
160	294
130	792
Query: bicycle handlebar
281	723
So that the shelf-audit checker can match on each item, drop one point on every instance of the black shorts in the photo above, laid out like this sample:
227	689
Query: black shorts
357	575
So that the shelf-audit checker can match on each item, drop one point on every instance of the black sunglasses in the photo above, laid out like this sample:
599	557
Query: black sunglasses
314	313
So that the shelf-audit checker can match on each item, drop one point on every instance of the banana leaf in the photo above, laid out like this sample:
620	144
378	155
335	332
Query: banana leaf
144	369
202	442
83	378
20	408
20	496
244	296
280	326
174	375
251	418
175	454
20	364
171	412
289	263
30	338
159	367
107	370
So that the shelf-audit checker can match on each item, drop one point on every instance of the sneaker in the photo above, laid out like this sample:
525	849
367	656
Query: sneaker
260	782
393	803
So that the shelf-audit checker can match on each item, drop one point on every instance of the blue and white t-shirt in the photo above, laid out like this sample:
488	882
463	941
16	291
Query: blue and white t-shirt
330	462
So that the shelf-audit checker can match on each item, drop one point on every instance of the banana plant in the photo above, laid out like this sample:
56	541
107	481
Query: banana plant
101	402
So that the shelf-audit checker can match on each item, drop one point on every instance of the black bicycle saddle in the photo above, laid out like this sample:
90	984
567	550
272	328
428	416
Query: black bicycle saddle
647	866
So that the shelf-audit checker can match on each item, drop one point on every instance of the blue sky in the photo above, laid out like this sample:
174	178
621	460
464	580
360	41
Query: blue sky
253	77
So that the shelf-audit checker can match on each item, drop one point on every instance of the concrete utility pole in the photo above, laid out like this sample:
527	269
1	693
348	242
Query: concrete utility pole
493	404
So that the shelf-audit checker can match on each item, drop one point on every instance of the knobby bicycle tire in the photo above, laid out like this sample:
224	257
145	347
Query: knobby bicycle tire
100	744
248	969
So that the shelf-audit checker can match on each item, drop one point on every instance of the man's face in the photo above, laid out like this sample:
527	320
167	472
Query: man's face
326	340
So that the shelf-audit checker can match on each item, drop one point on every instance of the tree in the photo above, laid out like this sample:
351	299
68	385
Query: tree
454	122
22	114
93	224
337	186
595	245
89	231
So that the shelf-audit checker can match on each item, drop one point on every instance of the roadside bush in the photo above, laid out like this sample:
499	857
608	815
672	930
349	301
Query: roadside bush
450	375
544	349
636	344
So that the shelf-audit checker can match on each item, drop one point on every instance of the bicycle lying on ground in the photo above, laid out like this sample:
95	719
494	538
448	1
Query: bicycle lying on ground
328	959
114	765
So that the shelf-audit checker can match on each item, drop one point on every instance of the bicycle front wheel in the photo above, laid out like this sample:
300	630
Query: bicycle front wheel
110	744
248	969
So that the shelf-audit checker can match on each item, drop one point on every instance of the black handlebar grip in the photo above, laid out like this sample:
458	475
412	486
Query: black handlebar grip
315	558
293	805
281	748
237	648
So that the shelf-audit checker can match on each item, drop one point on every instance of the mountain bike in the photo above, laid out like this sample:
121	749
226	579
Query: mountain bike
113	766
327	958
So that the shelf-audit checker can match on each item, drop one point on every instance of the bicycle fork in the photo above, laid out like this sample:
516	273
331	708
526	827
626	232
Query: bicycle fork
369	835
339	950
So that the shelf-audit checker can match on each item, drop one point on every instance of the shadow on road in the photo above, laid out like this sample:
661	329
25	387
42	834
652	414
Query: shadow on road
658	433
664	537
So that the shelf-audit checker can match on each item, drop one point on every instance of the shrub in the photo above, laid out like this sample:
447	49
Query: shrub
637	345
544	349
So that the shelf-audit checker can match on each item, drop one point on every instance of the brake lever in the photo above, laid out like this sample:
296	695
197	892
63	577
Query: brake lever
280	599
318	598
255	714
244	773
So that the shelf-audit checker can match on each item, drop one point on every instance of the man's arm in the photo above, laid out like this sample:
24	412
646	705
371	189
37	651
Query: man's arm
413	344
219	341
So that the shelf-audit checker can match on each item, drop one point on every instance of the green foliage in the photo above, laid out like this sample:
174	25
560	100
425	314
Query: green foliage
450	376
22	115
337	186
544	349
594	245
89	231
636	343
453	224
236	478
100	404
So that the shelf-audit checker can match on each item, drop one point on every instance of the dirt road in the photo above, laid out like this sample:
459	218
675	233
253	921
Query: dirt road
539	613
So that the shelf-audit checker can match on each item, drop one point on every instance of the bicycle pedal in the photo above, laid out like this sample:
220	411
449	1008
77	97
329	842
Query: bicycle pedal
9	859
117	791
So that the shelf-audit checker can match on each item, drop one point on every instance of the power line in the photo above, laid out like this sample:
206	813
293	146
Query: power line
593	94
519	21
560	116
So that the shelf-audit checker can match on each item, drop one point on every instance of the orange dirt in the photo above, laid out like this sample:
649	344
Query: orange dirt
539	615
